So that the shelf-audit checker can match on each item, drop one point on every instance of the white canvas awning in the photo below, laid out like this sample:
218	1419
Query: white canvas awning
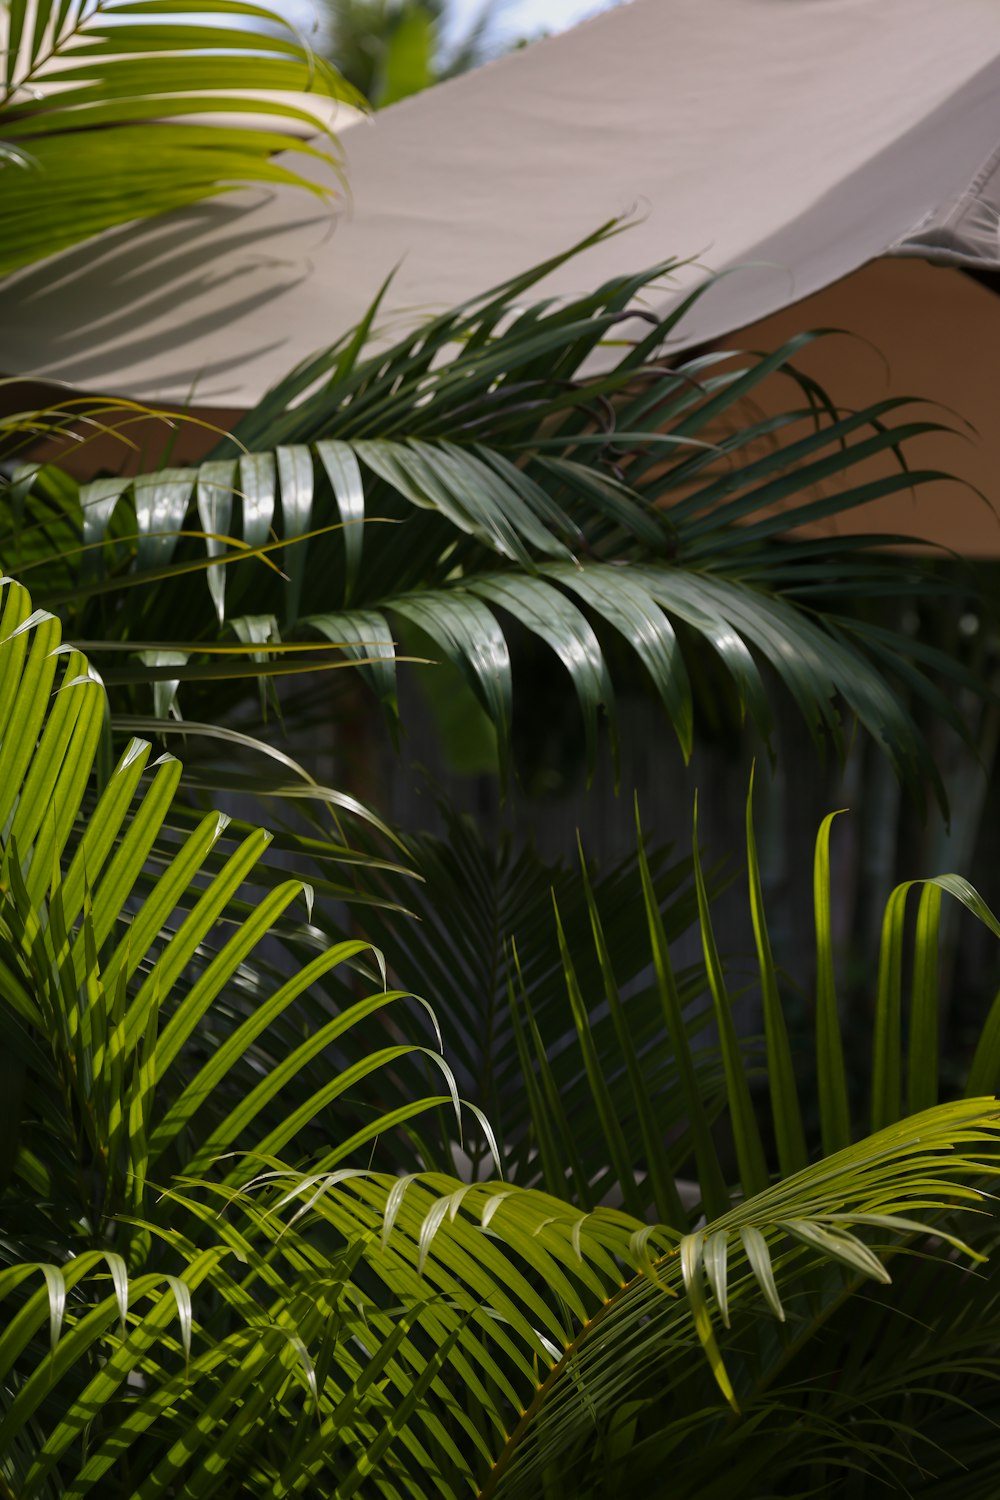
786	141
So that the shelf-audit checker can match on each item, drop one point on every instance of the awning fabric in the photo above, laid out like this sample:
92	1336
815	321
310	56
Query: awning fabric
905	329
787	142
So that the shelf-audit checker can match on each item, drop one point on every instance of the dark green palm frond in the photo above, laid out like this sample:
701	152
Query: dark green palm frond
475	482
507	937
100	107
903	1068
775	1381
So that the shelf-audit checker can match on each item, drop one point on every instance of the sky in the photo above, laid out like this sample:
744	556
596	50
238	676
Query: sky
515	18
523	17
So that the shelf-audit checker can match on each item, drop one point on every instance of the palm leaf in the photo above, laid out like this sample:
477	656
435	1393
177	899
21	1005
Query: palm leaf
509	940
100	110
119	940
904	1063
774	1380
630	1308
475	480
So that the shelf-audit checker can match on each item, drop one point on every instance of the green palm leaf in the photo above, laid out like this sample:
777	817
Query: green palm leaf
106	113
510	944
630	1307
120	934
474	479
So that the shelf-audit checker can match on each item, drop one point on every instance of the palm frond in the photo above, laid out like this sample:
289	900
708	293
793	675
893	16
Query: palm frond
561	1302
114	110
859	1396
474	481
903	1067
119	941
509	942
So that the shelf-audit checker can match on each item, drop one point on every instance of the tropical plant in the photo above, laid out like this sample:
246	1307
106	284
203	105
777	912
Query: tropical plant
237	1257
188	1313
116	110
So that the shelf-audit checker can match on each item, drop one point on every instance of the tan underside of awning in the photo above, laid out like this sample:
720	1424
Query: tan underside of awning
918	331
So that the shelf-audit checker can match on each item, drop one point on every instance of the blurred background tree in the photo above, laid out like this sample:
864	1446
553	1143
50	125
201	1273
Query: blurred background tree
390	49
